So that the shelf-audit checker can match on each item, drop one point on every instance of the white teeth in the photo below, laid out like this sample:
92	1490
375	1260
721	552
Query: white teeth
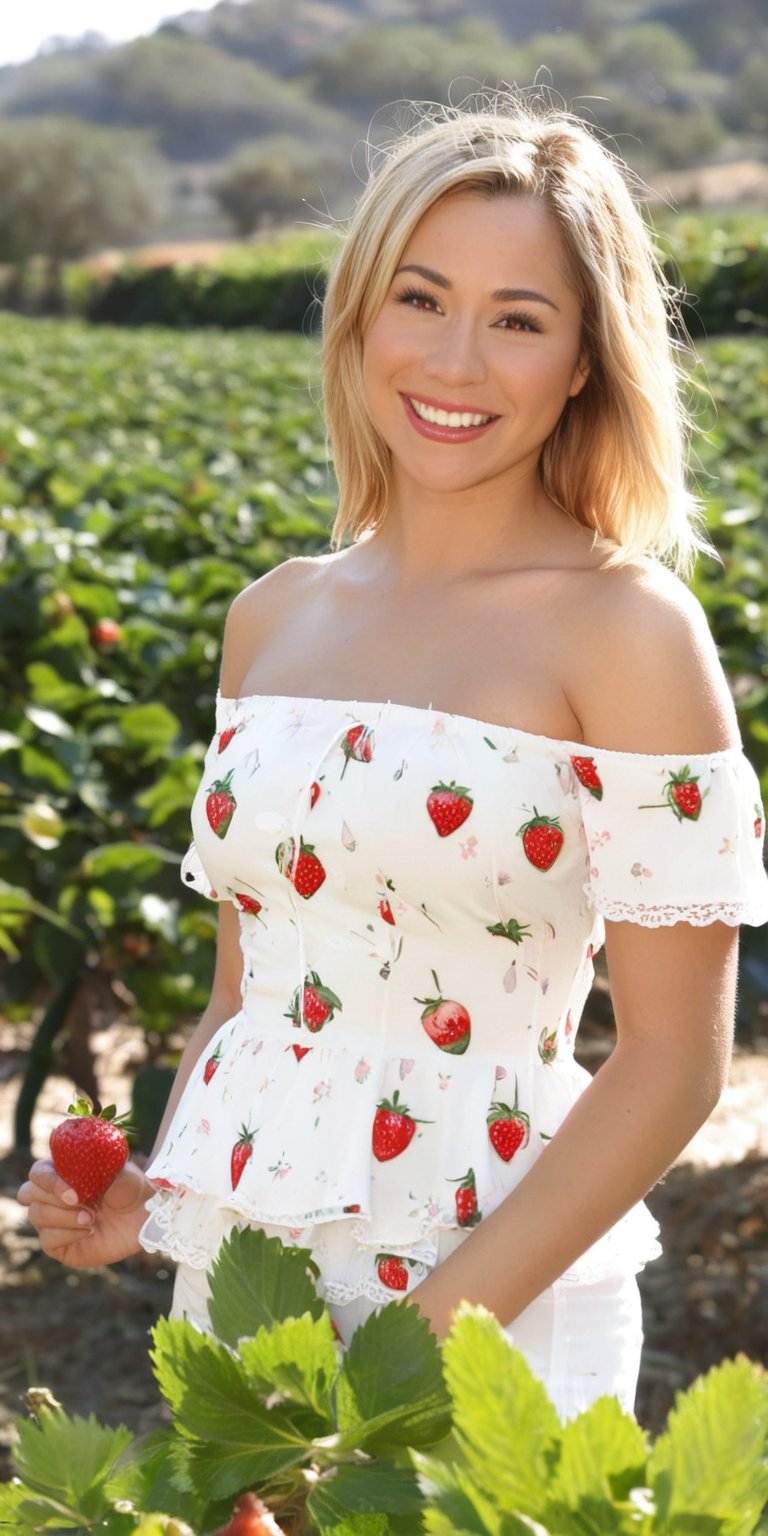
448	418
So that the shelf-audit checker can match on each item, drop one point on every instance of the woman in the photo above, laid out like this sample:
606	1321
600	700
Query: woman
412	890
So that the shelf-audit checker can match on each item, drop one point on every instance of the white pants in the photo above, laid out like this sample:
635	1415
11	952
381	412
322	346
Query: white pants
583	1342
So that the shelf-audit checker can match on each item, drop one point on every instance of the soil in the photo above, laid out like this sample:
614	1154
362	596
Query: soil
86	1334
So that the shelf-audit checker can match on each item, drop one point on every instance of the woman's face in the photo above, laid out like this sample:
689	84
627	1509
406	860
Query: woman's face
477	347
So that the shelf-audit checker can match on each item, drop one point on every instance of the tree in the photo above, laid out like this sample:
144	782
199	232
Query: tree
276	179
65	189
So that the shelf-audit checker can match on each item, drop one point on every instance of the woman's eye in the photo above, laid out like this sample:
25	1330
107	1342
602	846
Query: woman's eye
415	296
521	323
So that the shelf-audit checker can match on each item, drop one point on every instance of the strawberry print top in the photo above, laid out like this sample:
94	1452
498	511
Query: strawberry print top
420	898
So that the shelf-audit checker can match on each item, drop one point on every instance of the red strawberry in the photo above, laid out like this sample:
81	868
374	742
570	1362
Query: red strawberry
542	840
248	903
393	1128
89	1149
467	1213
319	1004
357	744
221	805
684	795
351	1210
300	1050
587	774
448	806
105	632
226	737
446	1022
547	1045
302	867
758	821
385	911
392	1271
251	1518
242	1150
212	1064
510	930
314	794
508	1129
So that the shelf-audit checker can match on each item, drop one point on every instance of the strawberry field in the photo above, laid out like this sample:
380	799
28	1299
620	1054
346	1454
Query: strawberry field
145	478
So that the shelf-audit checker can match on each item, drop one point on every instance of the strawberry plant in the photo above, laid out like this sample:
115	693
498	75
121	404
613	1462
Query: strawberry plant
277	1430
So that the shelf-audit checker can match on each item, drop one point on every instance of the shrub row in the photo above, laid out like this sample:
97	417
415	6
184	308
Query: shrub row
721	266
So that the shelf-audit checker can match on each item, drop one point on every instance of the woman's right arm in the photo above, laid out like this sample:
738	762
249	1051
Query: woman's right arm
86	1236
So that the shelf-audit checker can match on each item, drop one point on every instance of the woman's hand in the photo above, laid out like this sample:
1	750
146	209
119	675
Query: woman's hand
86	1236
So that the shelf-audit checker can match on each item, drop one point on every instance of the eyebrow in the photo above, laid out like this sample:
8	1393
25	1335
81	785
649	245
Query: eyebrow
501	295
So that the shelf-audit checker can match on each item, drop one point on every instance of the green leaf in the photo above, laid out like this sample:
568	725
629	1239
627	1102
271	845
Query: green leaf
69	1459
509	1431
150	727
711	1461
237	1440
256	1281
380	1488
603	1456
47	720
360	1525
296	1358
390	1391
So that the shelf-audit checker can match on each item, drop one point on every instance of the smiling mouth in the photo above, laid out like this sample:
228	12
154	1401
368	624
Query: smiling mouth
453	419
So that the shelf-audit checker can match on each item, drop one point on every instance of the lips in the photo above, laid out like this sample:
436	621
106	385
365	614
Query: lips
442	431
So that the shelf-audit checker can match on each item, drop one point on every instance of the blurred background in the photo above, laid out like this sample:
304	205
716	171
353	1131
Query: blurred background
169	196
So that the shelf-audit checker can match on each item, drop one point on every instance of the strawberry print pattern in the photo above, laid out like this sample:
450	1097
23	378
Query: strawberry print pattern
420	898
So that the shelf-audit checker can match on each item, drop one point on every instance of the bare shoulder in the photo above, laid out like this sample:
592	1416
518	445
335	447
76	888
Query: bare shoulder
650	677
260	606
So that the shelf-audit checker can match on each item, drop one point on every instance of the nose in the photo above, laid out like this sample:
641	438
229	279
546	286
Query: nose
456	357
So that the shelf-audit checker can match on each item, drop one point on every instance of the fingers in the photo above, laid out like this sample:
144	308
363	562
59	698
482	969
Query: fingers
44	1184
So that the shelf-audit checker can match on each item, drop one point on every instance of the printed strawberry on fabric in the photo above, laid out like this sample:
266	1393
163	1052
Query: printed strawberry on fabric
420	899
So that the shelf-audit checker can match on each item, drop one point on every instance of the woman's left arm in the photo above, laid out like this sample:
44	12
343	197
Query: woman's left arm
658	688
674	996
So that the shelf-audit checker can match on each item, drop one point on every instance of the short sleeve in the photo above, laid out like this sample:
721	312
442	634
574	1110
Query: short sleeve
193	875
674	839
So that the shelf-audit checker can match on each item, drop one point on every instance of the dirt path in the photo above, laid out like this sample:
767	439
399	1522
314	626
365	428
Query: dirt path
86	1334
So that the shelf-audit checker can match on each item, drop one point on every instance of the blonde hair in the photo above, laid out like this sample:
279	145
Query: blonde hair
616	461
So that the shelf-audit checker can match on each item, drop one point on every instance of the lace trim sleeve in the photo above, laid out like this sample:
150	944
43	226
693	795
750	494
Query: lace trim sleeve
674	839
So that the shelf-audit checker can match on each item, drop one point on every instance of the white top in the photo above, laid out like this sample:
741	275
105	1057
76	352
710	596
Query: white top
420	898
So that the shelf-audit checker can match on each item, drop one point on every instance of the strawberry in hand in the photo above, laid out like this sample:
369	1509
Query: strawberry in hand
89	1149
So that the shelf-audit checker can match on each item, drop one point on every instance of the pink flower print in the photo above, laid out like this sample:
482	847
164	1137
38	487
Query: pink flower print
295	1233
280	1169
445	1078
362	1070
320	1091
469	848
406	1065
639	872
205	1127
438	727
501	1073
598	839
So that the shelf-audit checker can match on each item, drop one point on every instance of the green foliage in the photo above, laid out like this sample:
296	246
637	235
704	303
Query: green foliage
390	1437
152	506
65	188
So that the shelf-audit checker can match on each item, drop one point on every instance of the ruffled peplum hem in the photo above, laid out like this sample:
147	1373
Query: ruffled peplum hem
381	1166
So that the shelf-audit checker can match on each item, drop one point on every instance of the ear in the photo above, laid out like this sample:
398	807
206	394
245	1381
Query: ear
580	376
